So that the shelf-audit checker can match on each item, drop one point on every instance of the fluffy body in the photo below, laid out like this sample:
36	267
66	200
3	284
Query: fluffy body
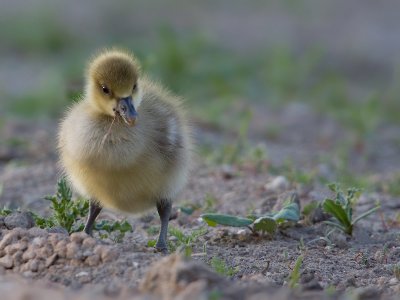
127	168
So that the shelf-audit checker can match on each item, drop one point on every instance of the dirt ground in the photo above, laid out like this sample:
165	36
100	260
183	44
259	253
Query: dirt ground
362	265
361	42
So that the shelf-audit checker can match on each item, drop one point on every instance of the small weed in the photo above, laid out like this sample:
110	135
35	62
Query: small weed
5	212
184	241
267	223
109	227
65	211
221	268
295	274
342	208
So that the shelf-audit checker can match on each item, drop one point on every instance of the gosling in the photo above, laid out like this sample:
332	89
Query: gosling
126	144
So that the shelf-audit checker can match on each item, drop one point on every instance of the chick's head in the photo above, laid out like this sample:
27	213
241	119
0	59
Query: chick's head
112	82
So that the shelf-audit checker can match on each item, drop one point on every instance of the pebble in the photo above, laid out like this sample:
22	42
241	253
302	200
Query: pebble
339	239
51	260
73	251
89	242
108	254
93	260
34	265
20	220
81	274
37	232
6	262
78	237
7	239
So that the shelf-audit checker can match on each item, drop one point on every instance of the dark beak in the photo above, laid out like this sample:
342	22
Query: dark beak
127	110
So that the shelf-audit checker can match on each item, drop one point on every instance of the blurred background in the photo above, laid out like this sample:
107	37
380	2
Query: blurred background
308	89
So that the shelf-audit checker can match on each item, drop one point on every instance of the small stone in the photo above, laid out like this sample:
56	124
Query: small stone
50	260
38	242
93	260
73	251
19	246
37	232
108	254
7	239
45	252
89	242
18	258
61	249
34	265
278	184
83	273
339	239
19	219
29	254
78	237
6	262
393	281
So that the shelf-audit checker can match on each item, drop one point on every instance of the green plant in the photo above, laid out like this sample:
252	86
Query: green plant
65	211
341	208
5	211
221	268
122	227
184	241
266	223
295	274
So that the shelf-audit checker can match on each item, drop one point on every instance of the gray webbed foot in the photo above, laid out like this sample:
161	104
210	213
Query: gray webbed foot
164	211
94	210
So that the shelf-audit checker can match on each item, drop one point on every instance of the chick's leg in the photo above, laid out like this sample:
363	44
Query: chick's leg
94	210
164	211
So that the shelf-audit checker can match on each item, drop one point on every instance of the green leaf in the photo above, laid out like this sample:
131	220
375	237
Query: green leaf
186	210
227	220
333	187
295	274
336	225
265	224
367	213
290	212
310	207
337	211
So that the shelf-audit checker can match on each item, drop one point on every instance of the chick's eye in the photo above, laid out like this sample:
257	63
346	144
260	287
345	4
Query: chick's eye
105	90
134	87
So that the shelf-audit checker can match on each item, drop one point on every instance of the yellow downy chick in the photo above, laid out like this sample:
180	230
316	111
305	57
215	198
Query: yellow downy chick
126	144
